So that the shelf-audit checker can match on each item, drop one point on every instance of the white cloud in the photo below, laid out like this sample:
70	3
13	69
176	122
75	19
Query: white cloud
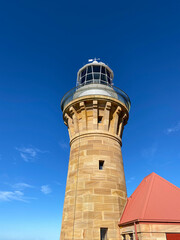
176	128
22	186
24	157
29	154
150	151
131	179
17	193
46	189
7	196
64	145
58	183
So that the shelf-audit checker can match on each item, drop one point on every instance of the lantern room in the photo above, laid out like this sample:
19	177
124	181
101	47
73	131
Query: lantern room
95	72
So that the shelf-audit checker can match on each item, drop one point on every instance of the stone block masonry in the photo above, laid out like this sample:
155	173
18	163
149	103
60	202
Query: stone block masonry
95	190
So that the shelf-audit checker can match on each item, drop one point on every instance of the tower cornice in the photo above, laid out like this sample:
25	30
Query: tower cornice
95	114
96	97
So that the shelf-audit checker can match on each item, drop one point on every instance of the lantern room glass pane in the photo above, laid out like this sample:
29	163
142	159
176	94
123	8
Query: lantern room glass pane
89	77
109	80
89	70
83	72
96	75
96	68
103	70
108	73
82	79
89	81
103	77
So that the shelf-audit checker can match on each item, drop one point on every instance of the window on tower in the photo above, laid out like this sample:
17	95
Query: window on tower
100	119
101	164
103	233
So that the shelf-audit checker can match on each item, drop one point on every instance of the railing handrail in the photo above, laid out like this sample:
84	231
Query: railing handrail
95	81
122	96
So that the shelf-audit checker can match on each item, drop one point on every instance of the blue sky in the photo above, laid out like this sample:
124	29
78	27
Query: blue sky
42	46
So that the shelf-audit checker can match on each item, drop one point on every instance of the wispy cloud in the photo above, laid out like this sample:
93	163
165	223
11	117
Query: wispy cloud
22	186
150	151
17	192
131	179
29	154
7	196
46	189
173	129
58	183
63	145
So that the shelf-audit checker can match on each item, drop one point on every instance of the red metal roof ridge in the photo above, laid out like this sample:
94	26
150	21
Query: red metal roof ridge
163	179
137	189
148	176
152	177
171	184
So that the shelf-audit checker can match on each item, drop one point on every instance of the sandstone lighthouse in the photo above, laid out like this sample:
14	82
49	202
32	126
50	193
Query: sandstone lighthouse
95	113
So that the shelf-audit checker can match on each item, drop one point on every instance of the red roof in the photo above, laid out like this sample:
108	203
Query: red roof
155	199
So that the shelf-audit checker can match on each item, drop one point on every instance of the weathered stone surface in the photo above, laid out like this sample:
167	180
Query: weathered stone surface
94	198
150	231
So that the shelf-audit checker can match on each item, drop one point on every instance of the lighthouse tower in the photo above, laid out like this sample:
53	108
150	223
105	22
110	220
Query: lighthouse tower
95	113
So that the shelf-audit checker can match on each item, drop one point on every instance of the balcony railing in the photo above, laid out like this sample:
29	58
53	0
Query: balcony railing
109	89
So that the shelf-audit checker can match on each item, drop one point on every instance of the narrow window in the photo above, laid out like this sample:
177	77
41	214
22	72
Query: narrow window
131	236
99	119
101	166
103	232
123	237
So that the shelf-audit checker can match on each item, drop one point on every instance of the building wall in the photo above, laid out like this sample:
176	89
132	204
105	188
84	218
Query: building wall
94	198
151	231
